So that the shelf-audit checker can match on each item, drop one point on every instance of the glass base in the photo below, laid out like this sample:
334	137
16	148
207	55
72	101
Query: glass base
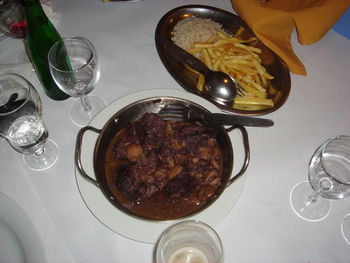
345	228
305	208
45	160
82	118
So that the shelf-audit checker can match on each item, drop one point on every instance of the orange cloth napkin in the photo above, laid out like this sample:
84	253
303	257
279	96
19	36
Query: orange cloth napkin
274	21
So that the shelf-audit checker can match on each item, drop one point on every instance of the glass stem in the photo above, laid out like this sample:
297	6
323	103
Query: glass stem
39	151
313	197
86	103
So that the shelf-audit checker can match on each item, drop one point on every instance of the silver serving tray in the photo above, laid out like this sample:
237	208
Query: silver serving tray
230	22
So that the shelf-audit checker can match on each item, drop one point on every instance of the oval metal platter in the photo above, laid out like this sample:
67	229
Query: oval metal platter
279	86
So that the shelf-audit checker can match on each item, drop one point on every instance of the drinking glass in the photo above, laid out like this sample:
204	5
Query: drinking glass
189	241
21	122
345	228
14	25
12	19
79	77
329	176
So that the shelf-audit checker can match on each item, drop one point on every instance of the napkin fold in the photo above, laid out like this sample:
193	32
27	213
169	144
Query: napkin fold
274	21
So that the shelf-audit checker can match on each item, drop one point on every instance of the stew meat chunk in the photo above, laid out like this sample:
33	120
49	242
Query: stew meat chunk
178	158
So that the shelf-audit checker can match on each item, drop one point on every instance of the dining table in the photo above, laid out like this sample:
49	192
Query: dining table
256	223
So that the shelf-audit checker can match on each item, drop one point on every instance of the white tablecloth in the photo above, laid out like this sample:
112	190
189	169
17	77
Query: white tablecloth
261	227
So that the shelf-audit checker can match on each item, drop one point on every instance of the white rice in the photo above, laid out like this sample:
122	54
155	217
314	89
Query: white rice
194	29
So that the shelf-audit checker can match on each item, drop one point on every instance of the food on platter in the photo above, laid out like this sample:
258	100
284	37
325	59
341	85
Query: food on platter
194	29
170	168
232	54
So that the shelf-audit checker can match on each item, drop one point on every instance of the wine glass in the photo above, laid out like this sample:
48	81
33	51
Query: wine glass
13	24
78	77
21	122
329	176
12	19
345	228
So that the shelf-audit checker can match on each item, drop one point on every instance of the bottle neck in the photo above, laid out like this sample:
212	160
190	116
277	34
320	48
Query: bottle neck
34	12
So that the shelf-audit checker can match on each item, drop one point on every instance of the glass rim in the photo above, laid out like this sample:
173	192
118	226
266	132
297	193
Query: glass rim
324	147
28	93
63	40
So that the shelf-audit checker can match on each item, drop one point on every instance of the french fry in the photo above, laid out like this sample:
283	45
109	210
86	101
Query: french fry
249	48
239	31
253	101
222	35
206	58
217	63
212	53
251	90
200	82
232	56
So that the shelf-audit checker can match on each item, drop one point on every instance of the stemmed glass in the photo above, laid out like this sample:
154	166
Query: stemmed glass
329	176
21	122
79	77
12	19
345	228
13	23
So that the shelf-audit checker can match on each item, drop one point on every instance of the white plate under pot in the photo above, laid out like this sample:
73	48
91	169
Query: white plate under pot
132	227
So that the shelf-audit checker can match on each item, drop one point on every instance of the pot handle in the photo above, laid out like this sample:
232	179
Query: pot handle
77	155
246	152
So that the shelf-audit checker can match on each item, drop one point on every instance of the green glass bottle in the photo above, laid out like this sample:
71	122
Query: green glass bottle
41	35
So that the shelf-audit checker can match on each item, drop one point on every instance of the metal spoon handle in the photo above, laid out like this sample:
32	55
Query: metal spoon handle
181	55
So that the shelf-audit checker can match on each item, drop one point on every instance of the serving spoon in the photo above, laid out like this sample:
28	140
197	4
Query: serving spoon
220	86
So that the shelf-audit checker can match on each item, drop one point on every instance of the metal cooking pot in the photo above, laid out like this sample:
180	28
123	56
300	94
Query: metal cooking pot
134	111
